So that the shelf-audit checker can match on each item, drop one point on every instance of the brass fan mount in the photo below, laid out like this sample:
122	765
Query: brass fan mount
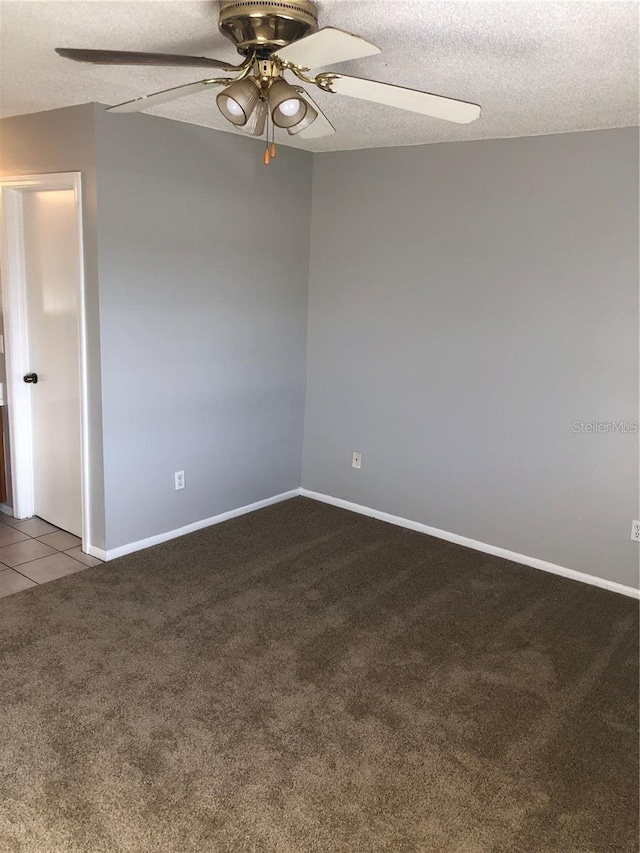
260	28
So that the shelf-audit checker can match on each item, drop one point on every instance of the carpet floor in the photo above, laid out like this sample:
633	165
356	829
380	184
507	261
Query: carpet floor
306	679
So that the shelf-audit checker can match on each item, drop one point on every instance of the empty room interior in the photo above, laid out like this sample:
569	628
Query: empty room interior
319	449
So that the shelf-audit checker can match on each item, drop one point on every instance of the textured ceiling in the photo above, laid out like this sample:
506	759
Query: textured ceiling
535	67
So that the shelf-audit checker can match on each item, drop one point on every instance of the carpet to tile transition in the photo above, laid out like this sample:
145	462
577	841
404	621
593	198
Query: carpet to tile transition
306	679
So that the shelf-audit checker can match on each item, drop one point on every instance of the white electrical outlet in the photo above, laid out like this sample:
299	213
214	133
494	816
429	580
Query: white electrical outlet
635	531
179	476
356	460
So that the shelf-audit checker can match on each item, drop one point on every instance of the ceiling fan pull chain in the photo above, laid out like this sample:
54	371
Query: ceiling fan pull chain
267	153
272	149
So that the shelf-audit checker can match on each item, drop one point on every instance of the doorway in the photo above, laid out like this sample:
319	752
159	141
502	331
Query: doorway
44	316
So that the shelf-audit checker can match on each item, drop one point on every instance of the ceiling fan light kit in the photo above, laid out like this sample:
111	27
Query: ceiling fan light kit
238	101
305	122
257	120
276	38
288	108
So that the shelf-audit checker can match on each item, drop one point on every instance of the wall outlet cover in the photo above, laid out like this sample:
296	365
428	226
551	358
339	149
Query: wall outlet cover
179	480
635	531
356	460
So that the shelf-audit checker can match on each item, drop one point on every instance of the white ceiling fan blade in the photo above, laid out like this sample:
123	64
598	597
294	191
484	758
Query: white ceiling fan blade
436	106
162	97
326	47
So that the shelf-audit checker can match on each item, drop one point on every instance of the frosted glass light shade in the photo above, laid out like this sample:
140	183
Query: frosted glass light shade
288	109
309	118
257	119
238	101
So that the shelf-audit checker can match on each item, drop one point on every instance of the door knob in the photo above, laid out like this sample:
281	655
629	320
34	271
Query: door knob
32	378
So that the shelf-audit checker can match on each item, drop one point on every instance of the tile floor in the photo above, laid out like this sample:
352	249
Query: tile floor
33	551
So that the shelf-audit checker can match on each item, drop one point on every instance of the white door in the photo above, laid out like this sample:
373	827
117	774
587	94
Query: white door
52	265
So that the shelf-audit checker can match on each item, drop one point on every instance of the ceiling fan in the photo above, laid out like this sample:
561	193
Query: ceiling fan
275	38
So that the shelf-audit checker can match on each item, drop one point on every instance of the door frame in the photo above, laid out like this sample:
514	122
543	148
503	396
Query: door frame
14	305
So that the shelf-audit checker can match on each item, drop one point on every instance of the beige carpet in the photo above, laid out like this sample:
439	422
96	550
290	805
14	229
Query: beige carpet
305	679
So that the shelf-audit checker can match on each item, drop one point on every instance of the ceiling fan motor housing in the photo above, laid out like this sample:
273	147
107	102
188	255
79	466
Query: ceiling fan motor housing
266	26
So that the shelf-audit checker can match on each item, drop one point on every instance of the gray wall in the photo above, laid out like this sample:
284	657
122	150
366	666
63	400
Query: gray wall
468	302
63	141
204	258
197	274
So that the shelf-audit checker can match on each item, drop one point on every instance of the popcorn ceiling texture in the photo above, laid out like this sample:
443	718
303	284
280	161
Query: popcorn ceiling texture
535	67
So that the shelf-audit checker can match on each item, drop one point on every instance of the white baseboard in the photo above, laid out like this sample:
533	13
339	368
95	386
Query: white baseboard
495	551
112	553
100	553
534	562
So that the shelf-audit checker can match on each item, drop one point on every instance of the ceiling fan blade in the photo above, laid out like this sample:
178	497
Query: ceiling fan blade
162	97
125	57
326	47
436	106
